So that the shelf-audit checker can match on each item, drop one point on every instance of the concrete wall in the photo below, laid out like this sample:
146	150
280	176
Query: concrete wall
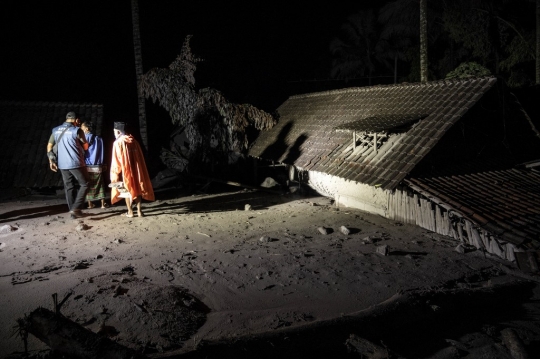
349	193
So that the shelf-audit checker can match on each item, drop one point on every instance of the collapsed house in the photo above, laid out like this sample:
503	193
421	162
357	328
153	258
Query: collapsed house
443	155
24	165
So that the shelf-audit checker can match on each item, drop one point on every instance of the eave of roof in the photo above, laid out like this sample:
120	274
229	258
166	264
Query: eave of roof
505	203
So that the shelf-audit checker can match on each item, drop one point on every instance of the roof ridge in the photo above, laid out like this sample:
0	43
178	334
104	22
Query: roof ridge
402	84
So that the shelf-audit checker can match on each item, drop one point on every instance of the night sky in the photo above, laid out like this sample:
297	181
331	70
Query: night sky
255	52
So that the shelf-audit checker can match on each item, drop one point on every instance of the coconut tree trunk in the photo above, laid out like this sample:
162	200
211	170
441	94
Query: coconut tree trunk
139	71
423	42
538	42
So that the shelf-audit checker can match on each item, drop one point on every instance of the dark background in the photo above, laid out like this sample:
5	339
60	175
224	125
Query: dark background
254	52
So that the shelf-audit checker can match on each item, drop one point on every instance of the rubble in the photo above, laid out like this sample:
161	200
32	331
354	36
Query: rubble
345	230
383	250
323	230
7	229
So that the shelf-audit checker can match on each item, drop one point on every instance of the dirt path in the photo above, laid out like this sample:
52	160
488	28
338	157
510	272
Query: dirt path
242	271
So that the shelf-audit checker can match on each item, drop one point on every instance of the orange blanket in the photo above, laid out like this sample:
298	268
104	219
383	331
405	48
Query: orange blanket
128	165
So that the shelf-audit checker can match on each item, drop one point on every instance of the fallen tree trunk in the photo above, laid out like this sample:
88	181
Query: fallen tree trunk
413	324
65	337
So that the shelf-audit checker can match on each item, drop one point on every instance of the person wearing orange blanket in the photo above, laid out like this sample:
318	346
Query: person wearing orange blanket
128	165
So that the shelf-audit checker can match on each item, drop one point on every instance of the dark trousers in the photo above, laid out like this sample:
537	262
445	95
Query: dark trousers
76	186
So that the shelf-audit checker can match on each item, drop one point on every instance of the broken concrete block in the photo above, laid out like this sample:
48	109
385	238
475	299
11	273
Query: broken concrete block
345	230
269	182
323	230
265	239
460	248
7	229
367	239
81	227
383	250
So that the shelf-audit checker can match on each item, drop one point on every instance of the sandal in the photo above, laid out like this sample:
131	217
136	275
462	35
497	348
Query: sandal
127	215
91	205
105	206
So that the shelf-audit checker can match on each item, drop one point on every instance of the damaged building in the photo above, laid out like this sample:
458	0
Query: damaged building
457	157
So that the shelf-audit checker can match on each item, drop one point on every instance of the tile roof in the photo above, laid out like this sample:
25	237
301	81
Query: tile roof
310	136
505	203
26	127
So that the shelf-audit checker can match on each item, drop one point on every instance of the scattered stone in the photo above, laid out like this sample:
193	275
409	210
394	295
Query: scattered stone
99	256
460	248
81	265
323	230
345	230
7	229
383	250
81	227
364	348
367	239
247	207
128	269
119	290
118	241
265	239
269	182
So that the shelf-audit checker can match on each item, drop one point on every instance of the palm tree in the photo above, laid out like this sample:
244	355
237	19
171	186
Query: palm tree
205	114
400	19
495	35
423	42
360	50
538	42
139	72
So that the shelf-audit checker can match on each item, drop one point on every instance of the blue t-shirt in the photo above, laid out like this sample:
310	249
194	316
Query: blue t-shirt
94	154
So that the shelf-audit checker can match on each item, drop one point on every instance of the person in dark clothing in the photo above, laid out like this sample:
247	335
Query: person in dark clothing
71	143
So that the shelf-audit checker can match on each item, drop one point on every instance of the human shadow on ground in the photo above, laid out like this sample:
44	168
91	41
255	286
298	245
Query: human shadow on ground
224	199
254	200
33	212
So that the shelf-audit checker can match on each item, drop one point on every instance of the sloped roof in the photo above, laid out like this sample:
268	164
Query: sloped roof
308	133
379	123
505	203
26	127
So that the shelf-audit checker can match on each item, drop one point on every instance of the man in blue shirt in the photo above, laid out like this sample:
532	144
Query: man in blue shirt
95	167
71	144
